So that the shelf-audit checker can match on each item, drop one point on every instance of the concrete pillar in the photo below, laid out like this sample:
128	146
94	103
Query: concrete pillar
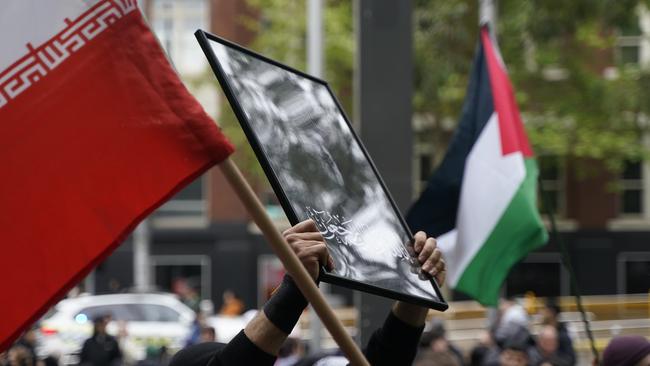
383	108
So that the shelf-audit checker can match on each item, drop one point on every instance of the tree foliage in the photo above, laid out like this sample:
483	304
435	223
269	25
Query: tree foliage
280	26
281	34
577	97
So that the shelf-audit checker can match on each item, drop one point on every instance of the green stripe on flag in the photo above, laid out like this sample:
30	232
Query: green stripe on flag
519	231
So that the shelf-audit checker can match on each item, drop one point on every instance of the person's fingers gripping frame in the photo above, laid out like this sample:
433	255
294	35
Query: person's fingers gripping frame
430	257
308	244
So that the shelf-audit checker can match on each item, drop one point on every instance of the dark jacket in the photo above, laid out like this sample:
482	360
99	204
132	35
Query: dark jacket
394	344
100	350
565	345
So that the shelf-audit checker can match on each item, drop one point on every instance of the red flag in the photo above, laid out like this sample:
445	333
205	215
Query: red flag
96	131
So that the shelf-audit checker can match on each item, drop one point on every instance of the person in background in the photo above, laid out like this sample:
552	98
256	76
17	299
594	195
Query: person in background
480	351
514	353
195	329
208	334
431	358
435	340
547	353
19	356
101	349
290	353
51	360
627	351
232	306
512	346
511	329
152	357
186	293
393	344
550	316
28	340
512	316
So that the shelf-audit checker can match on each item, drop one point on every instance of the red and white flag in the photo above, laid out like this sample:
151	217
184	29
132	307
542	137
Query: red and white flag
96	131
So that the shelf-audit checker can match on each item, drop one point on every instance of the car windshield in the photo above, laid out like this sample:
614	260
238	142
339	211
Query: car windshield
130	312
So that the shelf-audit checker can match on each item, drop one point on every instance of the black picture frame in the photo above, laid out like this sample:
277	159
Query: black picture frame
204	38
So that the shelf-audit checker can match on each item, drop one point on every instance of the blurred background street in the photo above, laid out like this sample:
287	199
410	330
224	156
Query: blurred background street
581	74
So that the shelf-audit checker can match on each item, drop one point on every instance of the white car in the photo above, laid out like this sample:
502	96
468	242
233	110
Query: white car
141	319
227	327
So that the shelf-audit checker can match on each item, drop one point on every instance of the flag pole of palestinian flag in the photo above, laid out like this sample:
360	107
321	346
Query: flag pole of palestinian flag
481	201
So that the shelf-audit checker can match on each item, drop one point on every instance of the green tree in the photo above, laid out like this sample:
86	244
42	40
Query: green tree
556	51
281	34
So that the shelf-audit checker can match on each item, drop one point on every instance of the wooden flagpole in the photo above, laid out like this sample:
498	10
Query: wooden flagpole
292	263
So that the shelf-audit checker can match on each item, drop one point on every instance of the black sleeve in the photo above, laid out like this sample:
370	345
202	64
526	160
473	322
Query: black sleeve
241	351
83	357
566	345
394	344
116	354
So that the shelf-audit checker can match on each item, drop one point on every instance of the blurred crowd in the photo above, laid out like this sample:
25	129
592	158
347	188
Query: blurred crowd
510	340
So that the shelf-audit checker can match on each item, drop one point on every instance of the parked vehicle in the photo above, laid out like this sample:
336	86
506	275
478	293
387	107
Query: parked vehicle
138	321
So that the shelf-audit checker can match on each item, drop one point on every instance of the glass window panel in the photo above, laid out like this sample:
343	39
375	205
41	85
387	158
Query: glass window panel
552	196
541	278
629	54
632	170
632	28
549	167
637	277
195	6
171	277
116	311
155	313
425	167
193	191
632	201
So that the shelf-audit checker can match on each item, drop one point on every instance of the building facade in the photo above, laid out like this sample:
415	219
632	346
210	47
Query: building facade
203	235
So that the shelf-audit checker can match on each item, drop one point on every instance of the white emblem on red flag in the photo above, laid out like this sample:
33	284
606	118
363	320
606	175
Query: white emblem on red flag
39	61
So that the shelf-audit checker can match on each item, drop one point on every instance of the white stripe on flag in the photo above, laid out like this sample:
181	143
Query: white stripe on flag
490	181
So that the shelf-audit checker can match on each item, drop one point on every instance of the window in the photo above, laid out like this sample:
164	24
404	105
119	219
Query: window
425	167
637	277
630	43
631	197
174	22
115	311
269	276
629	54
426	153
540	273
186	206
156	313
130	312
182	273
552	184
633	275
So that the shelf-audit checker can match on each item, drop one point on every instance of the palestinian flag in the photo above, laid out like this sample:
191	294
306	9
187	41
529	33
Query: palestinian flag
483	195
